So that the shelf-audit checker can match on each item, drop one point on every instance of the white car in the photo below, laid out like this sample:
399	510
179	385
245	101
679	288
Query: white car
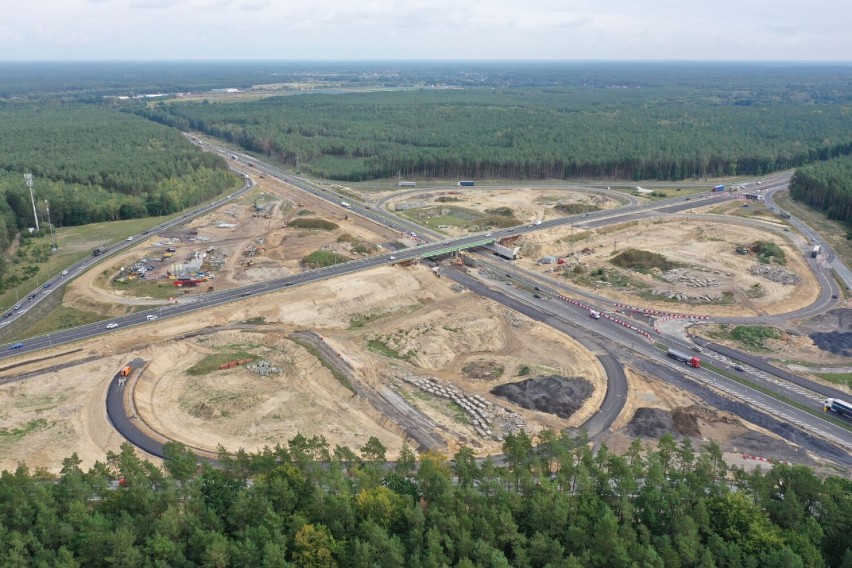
393	258
130	238
112	325
64	273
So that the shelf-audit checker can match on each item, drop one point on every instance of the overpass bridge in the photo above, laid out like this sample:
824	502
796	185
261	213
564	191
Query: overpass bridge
456	248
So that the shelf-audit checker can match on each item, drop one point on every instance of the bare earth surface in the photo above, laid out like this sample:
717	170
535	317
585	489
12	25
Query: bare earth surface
45	418
401	329
713	267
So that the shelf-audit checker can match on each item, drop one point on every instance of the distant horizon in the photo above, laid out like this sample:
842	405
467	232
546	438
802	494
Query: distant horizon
439	30
438	60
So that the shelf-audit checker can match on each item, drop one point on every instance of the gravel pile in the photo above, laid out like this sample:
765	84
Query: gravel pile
775	274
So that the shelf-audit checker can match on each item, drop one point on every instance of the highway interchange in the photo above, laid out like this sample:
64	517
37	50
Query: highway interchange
610	341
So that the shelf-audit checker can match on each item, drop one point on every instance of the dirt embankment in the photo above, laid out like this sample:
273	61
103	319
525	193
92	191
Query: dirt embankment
711	277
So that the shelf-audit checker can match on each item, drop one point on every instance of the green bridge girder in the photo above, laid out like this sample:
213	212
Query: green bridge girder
456	248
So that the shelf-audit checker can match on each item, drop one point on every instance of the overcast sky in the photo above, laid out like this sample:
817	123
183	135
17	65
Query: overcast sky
427	29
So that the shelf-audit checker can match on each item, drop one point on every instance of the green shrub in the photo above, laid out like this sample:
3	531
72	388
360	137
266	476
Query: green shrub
313	223
320	258
642	261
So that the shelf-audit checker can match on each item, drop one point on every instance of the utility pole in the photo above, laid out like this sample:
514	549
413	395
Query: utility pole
49	224
28	177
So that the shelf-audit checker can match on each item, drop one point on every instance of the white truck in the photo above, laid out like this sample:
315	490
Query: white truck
815	251
345	204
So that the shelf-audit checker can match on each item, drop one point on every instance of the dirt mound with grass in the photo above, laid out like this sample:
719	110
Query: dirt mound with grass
483	369
553	394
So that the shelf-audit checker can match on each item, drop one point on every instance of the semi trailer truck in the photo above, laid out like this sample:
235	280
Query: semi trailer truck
690	360
838	407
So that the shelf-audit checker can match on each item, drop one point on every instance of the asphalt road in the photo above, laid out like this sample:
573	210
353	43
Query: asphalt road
124	422
807	425
87	262
598	218
616	392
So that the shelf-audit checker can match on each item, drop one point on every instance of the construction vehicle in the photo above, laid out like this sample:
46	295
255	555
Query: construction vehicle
125	371
684	358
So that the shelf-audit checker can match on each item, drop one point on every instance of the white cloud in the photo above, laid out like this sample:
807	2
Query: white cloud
421	29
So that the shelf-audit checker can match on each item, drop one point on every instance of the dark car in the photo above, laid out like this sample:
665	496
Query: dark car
738	368
7	314
17	346
834	295
46	286
244	294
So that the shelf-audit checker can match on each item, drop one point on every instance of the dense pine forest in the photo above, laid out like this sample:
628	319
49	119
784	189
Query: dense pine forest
555	504
826	186
657	133
93	163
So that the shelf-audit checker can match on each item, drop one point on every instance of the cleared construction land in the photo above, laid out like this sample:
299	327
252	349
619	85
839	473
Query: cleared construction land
398	351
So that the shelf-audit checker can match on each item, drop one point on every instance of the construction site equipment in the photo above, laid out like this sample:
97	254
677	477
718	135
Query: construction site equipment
125	371
234	363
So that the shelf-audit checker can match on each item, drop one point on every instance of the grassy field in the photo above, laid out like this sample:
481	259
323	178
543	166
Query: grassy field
73	244
62	317
159	289
750	337
211	362
836	378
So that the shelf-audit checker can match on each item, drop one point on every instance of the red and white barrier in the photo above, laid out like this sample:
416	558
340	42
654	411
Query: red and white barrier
763	459
641	332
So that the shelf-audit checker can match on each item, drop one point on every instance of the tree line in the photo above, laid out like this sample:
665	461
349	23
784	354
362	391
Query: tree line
94	163
826	186
658	133
554	504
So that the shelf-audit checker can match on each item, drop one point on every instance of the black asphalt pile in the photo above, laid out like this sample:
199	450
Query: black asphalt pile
552	394
831	331
837	342
651	423
761	445
654	422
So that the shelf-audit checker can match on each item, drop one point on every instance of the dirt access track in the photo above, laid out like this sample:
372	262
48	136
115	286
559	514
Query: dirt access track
712	279
394	325
402	329
247	241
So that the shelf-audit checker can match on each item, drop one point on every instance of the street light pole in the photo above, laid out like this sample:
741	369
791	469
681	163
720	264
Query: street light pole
28	177
49	224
